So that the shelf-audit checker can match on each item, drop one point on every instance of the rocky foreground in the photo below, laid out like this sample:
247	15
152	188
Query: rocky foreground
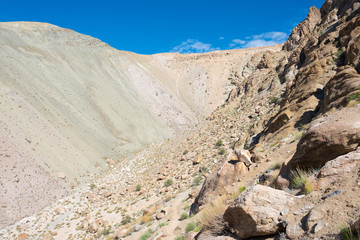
279	160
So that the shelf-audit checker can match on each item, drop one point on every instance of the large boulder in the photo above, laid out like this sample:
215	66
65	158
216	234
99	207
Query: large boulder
256	211
218	181
336	169
328	137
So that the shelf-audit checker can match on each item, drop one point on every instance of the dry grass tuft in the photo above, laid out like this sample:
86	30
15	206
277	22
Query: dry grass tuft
211	217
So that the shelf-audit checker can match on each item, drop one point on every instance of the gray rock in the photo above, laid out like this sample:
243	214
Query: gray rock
256	212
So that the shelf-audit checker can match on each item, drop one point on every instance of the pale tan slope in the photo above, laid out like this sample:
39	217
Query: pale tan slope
69	101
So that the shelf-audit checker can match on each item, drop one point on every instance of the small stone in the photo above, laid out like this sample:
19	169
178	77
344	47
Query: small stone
22	236
60	210
61	175
197	159
294	231
318	227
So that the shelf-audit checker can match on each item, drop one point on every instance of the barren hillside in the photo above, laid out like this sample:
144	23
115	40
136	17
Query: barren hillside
70	103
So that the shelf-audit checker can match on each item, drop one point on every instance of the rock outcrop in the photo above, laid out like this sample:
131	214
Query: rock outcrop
256	211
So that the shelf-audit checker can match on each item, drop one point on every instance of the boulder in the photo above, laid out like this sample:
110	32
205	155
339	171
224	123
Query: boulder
336	169
328	137
256	211
218	181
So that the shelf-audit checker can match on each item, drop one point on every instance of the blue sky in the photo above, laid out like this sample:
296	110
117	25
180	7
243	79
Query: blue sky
155	26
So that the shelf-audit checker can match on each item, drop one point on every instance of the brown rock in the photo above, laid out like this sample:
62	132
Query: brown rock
60	210
22	236
243	156
159	215
218	181
256	212
110	162
197	159
328	137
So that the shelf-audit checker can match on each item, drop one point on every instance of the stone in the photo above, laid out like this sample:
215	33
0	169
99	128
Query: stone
219	180
110	162
159	215
335	169
60	210
256	211
244	156
22	236
197	159
326	138
61	175
313	218
294	231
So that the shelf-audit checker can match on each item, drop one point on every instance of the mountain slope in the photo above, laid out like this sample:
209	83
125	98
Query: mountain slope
71	103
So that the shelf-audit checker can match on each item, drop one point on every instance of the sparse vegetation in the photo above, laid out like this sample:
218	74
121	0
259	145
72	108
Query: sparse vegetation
186	207
147	234
92	186
197	181
162	224
353	96
299	179
126	219
274	100
183	216
222	151
219	143
179	238
210	218
275	166
168	182
138	187
185	152
347	233
190	227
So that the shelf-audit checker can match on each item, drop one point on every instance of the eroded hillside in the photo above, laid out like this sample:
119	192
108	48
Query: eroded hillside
278	160
72	105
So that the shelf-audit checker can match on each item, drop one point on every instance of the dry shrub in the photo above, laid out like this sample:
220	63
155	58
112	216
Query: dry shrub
211	217
145	219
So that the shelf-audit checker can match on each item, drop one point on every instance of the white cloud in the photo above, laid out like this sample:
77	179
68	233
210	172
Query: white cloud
261	40
235	42
194	46
221	38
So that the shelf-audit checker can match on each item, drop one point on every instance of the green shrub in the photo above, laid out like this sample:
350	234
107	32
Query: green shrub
186	207
353	96
168	182
197	181
222	151
179	238
183	216
138	187
299	179
147	234
219	143
163	224
275	166
185	152
126	219
347	233
190	227
274	100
